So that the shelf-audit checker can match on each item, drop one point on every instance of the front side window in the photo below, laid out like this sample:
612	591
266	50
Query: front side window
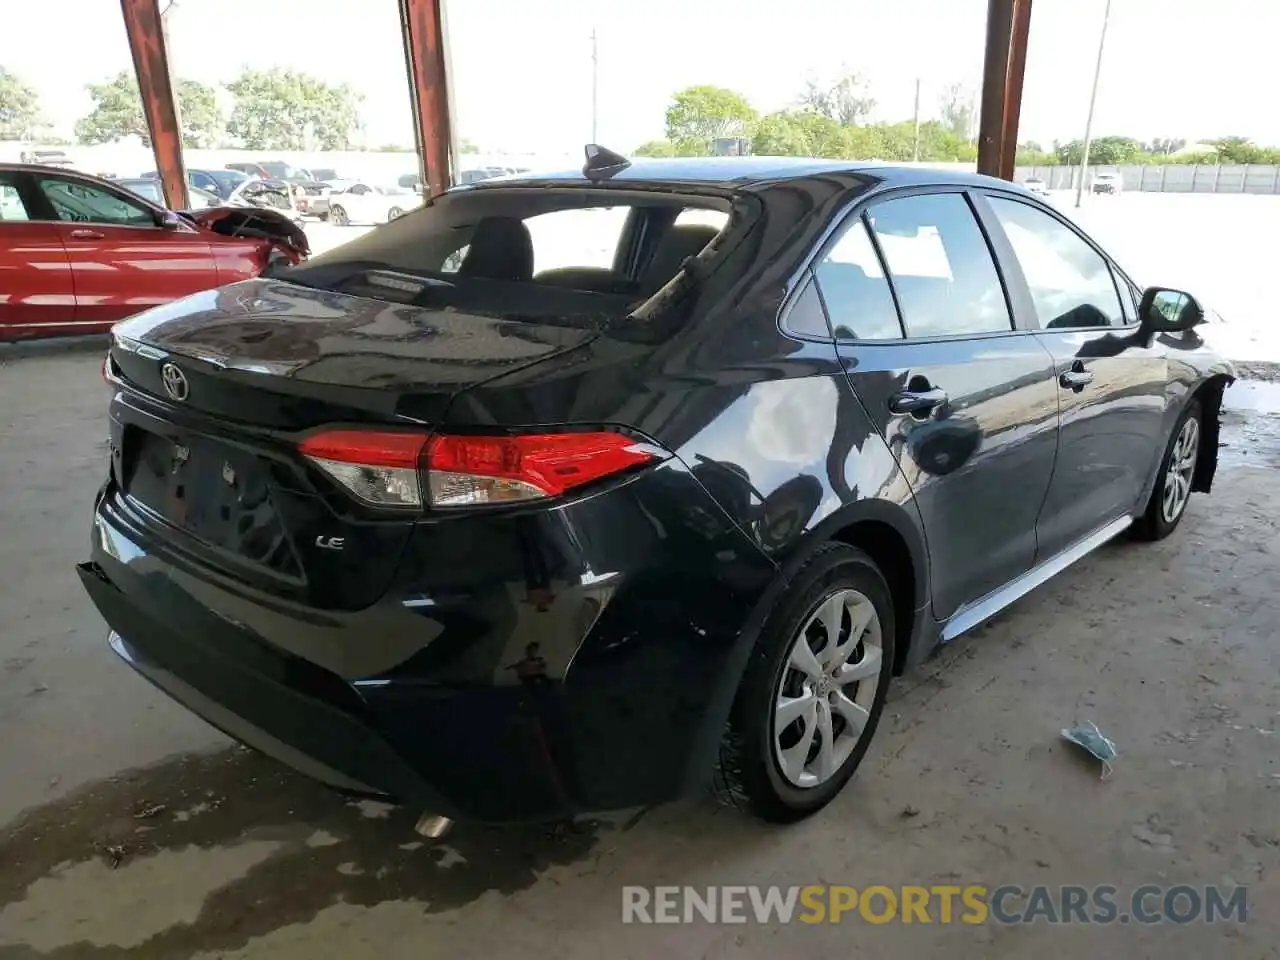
940	266
1071	283
80	202
855	290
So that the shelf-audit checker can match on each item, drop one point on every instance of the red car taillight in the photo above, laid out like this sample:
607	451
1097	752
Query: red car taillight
411	470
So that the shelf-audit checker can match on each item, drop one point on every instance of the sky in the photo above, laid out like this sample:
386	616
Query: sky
521	71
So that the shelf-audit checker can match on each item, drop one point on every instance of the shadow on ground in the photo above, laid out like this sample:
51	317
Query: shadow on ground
270	849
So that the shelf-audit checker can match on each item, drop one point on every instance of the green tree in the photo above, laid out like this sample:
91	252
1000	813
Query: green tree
1238	150
799	133
200	115
958	108
1164	146
19	108
847	101
1102	150
655	148
698	115
281	109
117	113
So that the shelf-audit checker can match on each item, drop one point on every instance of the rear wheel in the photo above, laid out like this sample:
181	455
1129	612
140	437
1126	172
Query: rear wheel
394	213
1172	491
338	216
813	691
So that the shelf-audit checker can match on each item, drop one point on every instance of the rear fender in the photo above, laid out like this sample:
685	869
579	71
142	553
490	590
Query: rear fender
923	632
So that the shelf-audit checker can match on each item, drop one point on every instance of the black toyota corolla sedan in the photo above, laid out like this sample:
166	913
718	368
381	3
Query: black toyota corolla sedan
576	492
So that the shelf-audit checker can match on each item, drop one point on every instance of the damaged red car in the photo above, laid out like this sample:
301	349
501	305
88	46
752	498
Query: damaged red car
78	253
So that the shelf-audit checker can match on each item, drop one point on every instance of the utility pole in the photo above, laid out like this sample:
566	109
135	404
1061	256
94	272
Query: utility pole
915	152
1093	98
595	86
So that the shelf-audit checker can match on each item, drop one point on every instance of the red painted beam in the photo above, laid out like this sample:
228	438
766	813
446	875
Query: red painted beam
422	26
1008	27
1020	33
151	64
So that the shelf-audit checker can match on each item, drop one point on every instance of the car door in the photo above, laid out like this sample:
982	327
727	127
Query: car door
37	293
122	259
1112	379
966	401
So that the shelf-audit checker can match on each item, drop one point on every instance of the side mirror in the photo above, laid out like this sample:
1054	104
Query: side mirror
1169	311
170	220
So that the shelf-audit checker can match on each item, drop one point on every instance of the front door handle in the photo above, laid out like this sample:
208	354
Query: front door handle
1077	378
86	235
917	401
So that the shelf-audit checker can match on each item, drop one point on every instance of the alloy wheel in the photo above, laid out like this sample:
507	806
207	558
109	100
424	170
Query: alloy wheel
1182	465
827	688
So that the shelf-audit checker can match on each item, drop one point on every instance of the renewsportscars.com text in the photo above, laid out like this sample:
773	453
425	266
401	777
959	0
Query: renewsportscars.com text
944	904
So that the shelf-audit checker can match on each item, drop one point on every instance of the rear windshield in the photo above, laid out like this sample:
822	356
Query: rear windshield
538	252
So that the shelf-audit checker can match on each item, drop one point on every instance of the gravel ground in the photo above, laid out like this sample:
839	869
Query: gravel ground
128	828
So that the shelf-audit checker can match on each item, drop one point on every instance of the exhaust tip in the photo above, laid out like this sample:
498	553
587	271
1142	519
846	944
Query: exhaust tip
432	826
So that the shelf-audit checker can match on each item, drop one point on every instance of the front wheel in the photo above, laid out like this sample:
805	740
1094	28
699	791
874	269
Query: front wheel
394	213
1172	491
338	216
813	691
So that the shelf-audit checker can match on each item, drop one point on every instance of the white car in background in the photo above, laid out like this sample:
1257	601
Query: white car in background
358	201
1037	186
1106	183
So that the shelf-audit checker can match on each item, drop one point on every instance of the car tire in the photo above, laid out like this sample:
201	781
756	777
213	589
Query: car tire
395	213
763	769
338	216
1172	491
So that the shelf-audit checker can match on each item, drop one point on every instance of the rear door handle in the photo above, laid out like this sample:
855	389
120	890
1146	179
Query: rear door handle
917	401
86	235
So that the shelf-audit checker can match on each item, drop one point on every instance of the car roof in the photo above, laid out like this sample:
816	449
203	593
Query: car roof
734	173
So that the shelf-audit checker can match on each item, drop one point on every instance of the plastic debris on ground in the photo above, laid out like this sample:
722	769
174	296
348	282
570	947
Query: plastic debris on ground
1090	738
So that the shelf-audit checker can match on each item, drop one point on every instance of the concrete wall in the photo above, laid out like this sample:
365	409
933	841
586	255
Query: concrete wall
1170	178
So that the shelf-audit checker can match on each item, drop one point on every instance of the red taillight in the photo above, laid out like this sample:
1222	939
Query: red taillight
473	470
385	468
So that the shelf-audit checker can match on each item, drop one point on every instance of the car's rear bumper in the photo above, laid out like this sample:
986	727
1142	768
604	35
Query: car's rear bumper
466	702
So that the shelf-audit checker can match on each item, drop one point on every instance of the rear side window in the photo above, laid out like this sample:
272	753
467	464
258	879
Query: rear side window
855	290
1071	283
11	205
940	265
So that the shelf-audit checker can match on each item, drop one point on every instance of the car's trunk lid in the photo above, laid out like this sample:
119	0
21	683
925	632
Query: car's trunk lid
278	355
206	460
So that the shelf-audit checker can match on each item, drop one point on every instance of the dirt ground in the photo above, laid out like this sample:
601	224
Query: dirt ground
128	828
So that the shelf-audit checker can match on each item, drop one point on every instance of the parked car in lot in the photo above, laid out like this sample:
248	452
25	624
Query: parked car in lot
1036	186
48	158
304	187
151	189
221	182
1106	183
508	523
78	253
357	201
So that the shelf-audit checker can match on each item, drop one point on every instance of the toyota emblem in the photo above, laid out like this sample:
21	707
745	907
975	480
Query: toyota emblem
175	382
